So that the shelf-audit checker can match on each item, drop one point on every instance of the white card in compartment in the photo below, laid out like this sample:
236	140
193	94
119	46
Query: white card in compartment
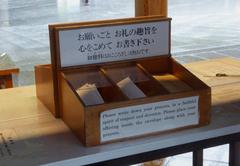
148	118
130	89
91	45
90	95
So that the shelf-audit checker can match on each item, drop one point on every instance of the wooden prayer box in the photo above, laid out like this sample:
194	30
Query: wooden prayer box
116	79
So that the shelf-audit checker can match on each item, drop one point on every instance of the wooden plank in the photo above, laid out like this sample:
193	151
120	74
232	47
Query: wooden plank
207	70
226	94
9	71
72	111
54	71
19	103
44	86
172	83
151	7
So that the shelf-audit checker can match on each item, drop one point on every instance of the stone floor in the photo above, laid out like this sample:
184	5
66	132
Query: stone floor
200	30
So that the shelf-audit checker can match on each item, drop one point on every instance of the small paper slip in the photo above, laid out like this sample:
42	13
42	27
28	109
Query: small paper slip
90	95
130	89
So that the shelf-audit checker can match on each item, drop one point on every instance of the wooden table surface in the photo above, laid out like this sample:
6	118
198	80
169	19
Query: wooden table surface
30	135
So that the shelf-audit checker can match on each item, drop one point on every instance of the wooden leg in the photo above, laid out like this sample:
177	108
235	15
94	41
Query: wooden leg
198	158
234	154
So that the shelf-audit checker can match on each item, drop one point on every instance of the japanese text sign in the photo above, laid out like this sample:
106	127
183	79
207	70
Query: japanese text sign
107	43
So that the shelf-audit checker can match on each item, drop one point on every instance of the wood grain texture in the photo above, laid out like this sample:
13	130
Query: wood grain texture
207	70
151	7
54	64
44	86
72	111
172	83
20	103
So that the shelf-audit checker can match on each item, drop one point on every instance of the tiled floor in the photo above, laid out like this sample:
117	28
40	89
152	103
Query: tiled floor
200	30
205	29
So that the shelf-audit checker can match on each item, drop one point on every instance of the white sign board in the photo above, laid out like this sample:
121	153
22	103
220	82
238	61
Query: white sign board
113	43
148	118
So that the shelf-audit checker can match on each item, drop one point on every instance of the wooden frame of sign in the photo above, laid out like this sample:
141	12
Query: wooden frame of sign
116	80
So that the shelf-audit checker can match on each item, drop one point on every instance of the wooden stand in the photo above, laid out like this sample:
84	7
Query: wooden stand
85	121
152	75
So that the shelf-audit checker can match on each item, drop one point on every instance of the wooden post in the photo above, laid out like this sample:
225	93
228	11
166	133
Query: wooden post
151	7
198	158
146	8
234	153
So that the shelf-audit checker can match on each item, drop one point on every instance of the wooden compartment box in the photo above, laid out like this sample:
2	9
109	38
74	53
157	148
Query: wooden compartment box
116	79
